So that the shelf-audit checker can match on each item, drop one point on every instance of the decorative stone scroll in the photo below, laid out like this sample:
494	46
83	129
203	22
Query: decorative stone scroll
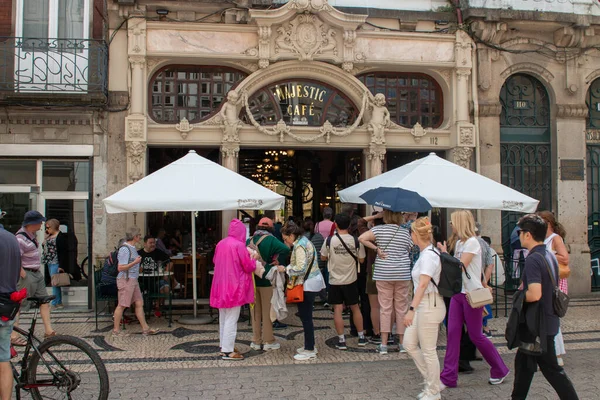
307	36
281	128
136	154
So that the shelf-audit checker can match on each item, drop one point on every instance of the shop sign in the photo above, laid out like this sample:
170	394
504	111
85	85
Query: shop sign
571	170
301	103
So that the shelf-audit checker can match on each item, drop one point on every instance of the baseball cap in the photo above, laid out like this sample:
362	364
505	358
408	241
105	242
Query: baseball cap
266	222
33	217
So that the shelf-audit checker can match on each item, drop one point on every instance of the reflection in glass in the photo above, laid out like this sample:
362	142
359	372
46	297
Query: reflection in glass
17	172
65	176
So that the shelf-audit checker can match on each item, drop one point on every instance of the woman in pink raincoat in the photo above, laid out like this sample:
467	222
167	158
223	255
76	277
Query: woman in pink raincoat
232	286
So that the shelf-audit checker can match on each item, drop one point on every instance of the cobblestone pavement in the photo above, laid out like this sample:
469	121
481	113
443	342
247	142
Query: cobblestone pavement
334	373
392	379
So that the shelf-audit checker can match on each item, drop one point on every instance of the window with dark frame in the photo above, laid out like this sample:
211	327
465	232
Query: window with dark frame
410	97
191	92
593	102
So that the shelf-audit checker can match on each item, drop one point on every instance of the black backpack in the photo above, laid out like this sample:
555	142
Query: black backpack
110	268
451	277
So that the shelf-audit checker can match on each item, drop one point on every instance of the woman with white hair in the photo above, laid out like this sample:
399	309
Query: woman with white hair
127	283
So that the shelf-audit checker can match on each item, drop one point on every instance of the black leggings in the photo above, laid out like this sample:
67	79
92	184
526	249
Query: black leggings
305	311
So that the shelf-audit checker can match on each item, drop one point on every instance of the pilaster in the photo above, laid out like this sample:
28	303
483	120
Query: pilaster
229	156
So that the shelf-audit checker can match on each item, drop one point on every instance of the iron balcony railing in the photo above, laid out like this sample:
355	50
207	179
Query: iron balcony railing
74	69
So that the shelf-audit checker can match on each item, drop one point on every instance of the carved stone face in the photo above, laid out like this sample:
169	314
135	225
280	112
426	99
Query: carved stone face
379	99
232	96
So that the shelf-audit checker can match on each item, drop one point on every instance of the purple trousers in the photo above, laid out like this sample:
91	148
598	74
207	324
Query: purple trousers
461	312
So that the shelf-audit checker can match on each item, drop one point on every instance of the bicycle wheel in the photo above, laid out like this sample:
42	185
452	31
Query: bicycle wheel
68	368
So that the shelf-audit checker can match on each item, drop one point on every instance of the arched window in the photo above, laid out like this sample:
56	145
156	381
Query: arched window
593	103
301	102
191	92
411	97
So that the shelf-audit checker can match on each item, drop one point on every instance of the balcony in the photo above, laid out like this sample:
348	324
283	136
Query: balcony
53	72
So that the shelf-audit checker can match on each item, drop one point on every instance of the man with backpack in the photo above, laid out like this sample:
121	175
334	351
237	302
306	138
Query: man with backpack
272	252
539	284
344	255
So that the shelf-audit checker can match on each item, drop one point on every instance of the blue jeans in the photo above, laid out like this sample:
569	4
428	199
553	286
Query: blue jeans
489	316
5	331
56	291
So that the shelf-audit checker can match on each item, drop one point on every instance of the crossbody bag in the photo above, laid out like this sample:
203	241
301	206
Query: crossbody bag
296	293
560	300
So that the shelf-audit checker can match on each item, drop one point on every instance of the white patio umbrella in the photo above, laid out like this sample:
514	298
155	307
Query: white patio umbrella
193	183
447	185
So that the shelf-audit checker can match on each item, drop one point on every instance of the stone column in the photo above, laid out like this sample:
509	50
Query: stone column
572	210
375	155
489	147
229	154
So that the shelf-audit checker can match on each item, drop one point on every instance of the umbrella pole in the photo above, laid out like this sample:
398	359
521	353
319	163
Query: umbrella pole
194	283
195	320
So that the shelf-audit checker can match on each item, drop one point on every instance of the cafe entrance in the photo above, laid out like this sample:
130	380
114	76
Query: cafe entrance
308	178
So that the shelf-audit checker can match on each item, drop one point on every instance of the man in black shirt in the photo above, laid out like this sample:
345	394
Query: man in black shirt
538	287
153	262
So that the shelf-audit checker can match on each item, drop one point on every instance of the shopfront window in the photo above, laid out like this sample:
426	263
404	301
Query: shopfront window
410	97
191	92
17	172
301	102
66	176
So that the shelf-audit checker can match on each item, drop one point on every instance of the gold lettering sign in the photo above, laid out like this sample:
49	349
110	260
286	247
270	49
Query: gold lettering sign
299	91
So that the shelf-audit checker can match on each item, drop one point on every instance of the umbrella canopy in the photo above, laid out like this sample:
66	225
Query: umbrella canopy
193	183
445	184
396	199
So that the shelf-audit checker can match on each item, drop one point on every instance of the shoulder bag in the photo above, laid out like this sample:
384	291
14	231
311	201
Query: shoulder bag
60	279
560	300
296	293
479	297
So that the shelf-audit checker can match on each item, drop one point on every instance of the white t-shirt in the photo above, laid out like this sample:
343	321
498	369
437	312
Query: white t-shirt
474	268
428	264
341	265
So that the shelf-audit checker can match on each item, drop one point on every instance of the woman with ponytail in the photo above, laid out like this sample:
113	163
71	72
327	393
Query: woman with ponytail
426	310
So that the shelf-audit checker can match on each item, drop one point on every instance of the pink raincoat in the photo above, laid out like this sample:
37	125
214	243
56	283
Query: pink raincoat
232	284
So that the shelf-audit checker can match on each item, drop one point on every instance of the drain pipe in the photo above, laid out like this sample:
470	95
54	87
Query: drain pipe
476	114
459	16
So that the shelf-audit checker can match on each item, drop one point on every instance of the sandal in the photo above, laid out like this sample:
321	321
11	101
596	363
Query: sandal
150	332
233	356
18	341
51	334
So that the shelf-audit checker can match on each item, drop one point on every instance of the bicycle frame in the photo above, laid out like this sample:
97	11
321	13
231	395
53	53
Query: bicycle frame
32	343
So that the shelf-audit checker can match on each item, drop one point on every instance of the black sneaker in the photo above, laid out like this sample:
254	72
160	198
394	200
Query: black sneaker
362	342
341	345
375	339
279	325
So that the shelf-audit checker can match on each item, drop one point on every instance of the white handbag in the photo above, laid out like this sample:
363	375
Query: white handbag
480	297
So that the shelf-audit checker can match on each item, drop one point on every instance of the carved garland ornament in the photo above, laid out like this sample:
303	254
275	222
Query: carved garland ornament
281	129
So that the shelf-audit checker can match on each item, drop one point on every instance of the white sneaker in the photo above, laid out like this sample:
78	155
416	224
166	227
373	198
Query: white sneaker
401	349
300	350
497	381
442	387
305	356
255	346
271	346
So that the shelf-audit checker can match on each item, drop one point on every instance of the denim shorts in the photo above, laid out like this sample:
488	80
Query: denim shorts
5	331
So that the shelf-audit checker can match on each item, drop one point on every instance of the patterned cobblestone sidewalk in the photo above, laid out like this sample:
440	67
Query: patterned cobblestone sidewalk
196	346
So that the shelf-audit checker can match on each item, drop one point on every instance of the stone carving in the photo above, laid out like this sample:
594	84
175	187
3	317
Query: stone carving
490	32
467	135
446	74
264	45
252	52
489	109
229	115
418	132
184	128
153	62
307	36
572	111
527	67
380	119
136	152
462	156
569	36
49	134
137	61
310	5
230	150
136	128
375	152
463	74
137	36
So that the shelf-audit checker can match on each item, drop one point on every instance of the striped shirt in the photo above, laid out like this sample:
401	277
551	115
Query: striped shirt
30	252
396	243
127	254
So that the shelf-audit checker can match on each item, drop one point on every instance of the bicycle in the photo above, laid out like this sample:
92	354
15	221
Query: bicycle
60	367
